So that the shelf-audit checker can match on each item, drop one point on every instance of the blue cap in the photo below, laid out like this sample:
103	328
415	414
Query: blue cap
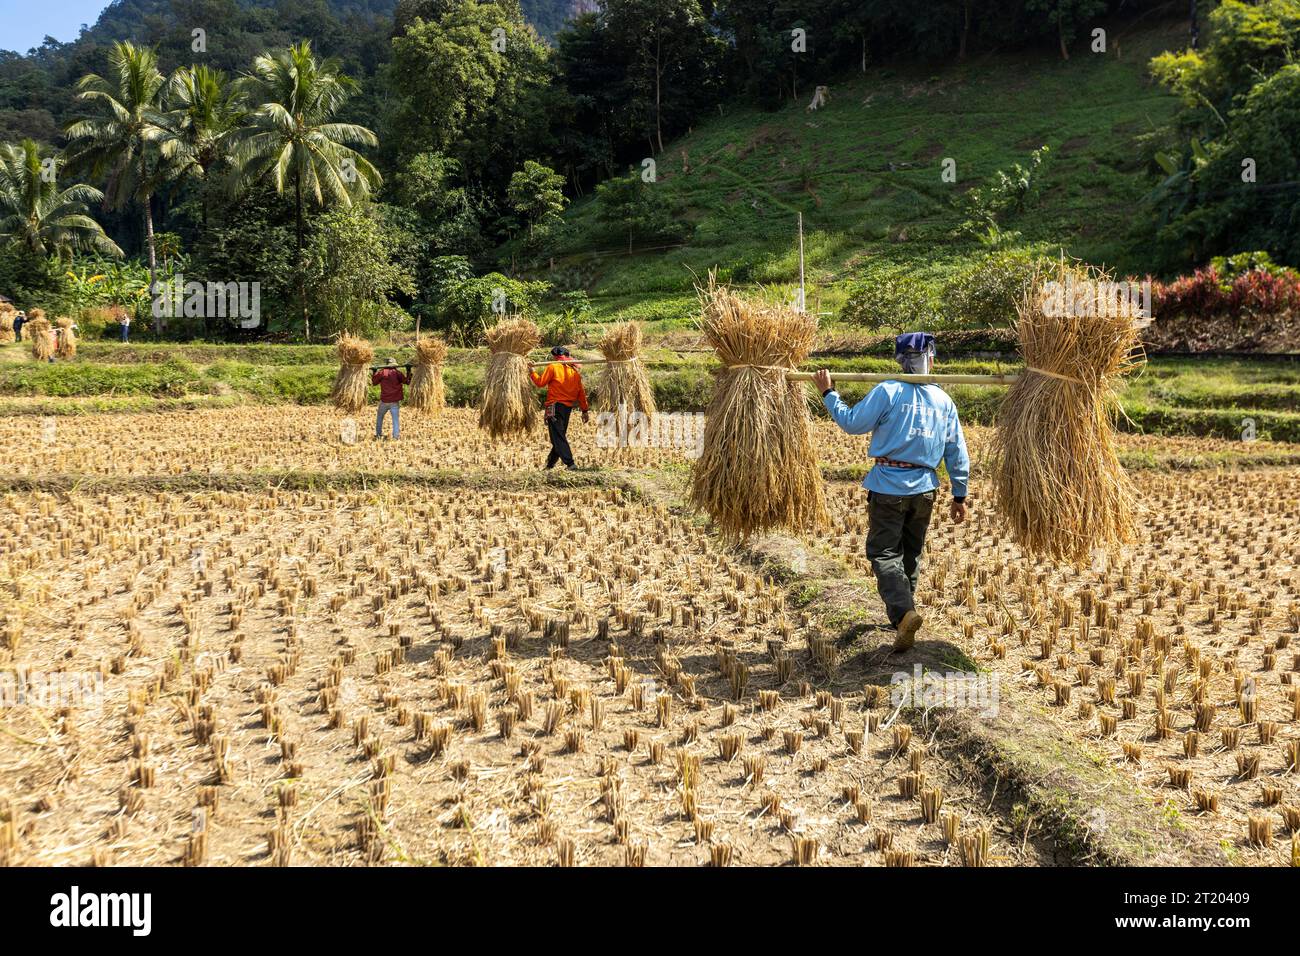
913	342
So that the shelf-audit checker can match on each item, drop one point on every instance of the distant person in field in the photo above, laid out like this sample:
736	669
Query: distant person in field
124	324
913	428
19	321
563	384
390	381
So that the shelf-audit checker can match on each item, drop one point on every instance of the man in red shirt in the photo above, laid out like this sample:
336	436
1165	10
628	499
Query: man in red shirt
563	384
390	382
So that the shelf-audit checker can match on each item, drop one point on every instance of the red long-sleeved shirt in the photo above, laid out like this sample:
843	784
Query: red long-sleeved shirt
390	382
563	383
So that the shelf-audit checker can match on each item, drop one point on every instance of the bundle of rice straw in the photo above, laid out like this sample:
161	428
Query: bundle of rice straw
624	383
427	391
509	407
6	322
1057	477
758	469
41	334
353	378
66	340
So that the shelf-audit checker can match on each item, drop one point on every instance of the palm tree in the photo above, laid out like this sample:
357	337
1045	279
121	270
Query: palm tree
39	216
204	111
120	144
288	136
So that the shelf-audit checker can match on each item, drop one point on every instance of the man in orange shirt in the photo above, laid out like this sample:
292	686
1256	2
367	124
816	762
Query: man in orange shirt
563	384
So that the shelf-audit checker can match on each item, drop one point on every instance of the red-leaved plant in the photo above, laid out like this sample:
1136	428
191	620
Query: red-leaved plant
1204	293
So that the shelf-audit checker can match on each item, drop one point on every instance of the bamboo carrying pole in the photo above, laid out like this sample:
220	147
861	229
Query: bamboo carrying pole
795	376
914	379
858	376
573	361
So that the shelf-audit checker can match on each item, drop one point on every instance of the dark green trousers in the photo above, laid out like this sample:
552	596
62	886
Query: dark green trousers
895	541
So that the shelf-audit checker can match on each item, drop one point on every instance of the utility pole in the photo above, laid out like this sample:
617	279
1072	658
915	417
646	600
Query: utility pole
801	289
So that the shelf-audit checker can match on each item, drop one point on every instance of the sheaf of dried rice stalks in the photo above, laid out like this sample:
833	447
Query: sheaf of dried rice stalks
41	334
509	407
65	346
1057	477
6	322
758	469
428	392
353	377
625	383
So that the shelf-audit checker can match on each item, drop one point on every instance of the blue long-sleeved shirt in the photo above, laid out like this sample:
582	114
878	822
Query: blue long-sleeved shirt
912	423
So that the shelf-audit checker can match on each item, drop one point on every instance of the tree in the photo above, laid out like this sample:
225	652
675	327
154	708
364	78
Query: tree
632	204
1240	96
38	215
289	137
535	194
352	273
1066	16
666	38
446	71
205	110
593	121
467	302
121	143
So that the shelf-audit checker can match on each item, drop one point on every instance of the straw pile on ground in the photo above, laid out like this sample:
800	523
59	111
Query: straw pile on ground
428	394
41	334
624	384
65	340
7	314
1057	478
353	378
758	469
508	404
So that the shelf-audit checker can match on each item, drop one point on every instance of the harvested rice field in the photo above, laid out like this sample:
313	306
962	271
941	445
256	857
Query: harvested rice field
305	440
1175	659
346	679
329	651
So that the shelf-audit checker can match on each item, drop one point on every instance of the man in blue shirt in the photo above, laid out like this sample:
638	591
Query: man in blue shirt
913	428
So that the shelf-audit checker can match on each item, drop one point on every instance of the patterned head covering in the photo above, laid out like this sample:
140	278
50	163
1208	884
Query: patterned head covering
914	351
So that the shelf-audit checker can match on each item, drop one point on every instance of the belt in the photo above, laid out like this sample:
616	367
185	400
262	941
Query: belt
881	460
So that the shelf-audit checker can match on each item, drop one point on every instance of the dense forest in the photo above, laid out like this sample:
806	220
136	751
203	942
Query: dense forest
439	140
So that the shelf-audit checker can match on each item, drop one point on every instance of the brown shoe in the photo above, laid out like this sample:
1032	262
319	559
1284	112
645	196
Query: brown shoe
907	628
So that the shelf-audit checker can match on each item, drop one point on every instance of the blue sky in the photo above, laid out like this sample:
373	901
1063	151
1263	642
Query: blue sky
25	23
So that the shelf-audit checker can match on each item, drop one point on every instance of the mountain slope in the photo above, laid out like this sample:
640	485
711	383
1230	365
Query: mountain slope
865	172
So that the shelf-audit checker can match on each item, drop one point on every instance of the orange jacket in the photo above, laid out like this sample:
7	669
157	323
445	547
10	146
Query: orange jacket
563	384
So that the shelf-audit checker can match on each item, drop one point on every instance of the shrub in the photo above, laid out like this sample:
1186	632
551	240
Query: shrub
467	304
889	299
102	321
1238	286
682	390
987	293
558	328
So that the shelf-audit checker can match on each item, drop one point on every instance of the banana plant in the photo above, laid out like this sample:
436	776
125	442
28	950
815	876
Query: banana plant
85	288
1174	193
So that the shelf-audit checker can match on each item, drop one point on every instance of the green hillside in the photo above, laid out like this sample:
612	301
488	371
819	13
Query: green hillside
865	172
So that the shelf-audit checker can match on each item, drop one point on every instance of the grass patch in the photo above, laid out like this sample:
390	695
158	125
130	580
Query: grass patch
1209	398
